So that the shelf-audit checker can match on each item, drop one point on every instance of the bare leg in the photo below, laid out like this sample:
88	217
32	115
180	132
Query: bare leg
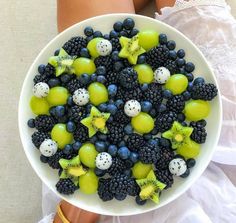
73	11
140	4
164	3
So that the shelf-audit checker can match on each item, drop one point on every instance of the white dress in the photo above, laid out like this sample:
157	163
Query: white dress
212	199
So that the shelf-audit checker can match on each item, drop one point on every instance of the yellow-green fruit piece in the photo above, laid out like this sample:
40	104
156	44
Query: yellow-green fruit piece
97	93
60	135
57	96
87	154
190	150
141	170
148	39
39	106
177	84
196	110
84	65
145	73
92	47
142	123
88	182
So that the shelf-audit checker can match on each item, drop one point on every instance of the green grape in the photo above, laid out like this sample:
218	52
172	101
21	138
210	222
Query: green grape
84	65
190	150
87	154
60	135
92	47
177	83
57	96
196	110
88	182
141	170
39	106
148	39
142	123
97	93
145	73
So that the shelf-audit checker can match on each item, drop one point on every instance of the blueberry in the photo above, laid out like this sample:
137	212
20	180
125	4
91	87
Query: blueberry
52	111
186	174
88	31
141	59
93	139
171	45
124	33
167	94
182	70
31	123
128	129
134	157
146	106
154	131
123	152
144	87
110	120
181	117
43	159
93	77
173	55
70	126
181	53
191	163
121	143
153	142
139	201
99	172
163	38
84	53
60	111
189	76
65	78
100	146
112	90
128	23
128	172
180	62
147	136
190	86
120	196
53	82
161	108
41	68
102	79
76	146
112	150
118	26
153	113
119	103
111	108
118	66
113	34
133	32
115	56
102	107
165	142
97	34
68	149
101	70
187	95
89	38
84	79
70	101
106	36
56	53
189	67
199	80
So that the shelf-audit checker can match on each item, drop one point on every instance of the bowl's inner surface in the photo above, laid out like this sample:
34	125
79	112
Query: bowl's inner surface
92	202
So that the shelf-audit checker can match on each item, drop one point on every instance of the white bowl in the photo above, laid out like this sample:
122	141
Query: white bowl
92	202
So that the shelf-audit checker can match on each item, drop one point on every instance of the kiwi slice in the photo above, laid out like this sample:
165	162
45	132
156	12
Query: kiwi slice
150	187
130	49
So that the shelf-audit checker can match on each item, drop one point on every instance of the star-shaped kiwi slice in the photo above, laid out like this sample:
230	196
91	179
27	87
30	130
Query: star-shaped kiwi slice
178	135
96	121
130	48
72	169
150	187
62	63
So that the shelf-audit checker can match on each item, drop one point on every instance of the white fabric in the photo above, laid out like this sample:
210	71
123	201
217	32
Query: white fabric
212	199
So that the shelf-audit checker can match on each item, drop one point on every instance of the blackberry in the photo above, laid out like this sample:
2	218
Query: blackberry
41	78
111	78
149	154
199	133
105	61
127	78
39	137
119	184
49	70
153	94
133	189
165	177
121	117
135	141
166	155
115	132
81	133
176	103
117	166
104	191
171	66
115	42
204	91
157	56
74	45
73	85
165	120
44	123
66	186
76	113
132	94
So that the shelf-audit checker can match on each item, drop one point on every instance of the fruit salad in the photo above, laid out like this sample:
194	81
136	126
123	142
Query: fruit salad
119	114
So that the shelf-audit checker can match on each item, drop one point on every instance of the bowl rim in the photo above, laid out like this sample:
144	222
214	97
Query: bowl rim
90	20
